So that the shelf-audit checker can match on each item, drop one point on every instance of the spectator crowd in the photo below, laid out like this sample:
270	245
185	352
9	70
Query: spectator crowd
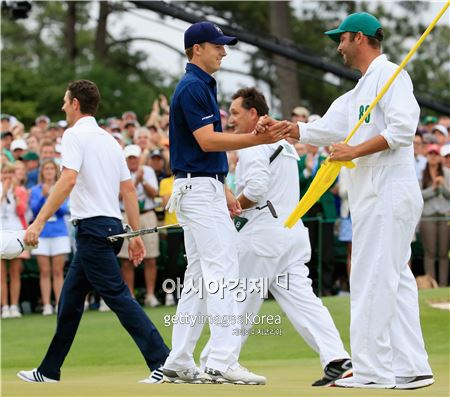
30	168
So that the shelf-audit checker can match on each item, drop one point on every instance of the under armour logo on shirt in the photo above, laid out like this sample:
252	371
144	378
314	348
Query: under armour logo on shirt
188	187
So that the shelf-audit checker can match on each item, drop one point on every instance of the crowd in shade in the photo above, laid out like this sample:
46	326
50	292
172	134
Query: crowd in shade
31	166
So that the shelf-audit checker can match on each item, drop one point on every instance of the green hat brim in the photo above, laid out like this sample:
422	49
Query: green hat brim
335	34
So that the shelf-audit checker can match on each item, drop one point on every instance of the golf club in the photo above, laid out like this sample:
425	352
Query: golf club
269	205
140	232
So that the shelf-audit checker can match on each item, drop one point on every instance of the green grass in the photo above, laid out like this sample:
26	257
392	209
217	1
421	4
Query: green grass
104	361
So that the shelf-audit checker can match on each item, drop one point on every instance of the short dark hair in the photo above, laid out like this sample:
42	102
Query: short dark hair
87	94
252	98
190	51
374	41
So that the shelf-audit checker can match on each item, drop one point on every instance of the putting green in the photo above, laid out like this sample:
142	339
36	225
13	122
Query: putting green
104	361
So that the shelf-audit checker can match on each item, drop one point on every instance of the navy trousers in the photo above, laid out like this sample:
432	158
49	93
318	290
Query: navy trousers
95	266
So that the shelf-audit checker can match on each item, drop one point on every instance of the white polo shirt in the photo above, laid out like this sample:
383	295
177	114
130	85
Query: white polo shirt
101	166
395	117
145	203
259	181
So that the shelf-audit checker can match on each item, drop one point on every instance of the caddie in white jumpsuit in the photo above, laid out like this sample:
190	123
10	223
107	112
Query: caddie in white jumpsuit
270	253
385	202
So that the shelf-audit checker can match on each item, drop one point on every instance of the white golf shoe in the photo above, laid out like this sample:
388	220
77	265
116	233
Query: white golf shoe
238	375
190	375
34	376
155	377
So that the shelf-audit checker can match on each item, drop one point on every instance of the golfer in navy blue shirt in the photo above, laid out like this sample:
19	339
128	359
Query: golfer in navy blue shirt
203	206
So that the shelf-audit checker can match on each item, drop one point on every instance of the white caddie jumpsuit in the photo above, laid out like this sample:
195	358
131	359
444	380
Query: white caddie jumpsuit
267	250
386	204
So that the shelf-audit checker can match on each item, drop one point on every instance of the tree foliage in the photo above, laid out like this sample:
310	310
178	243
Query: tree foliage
36	65
40	56
403	22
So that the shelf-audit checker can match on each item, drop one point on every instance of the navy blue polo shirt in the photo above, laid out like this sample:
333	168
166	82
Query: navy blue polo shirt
194	105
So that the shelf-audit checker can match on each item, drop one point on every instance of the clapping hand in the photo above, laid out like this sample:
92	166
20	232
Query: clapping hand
438	181
139	178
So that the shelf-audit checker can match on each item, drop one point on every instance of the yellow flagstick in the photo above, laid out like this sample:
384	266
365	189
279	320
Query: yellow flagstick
329	170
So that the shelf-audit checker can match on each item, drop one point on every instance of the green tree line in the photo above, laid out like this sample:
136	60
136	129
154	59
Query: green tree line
66	40
403	23
60	42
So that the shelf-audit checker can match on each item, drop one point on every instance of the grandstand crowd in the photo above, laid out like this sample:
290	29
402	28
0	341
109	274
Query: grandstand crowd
30	168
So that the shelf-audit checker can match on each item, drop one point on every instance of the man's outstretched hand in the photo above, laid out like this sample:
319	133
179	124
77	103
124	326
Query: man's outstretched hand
276	129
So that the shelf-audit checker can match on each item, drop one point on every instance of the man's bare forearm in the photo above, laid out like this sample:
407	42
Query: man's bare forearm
211	141
226	142
373	145
131	205
245	202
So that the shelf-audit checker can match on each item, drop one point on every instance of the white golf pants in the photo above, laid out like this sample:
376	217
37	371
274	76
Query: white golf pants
210	240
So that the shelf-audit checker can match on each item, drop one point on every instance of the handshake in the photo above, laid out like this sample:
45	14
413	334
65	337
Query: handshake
272	131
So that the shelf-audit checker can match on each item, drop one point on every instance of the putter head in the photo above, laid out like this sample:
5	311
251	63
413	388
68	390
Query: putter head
127	228
271	209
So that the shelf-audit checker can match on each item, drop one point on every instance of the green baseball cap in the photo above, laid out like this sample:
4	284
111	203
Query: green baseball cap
358	22
30	156
430	120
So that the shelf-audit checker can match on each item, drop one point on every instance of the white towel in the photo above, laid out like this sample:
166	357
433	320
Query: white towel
174	202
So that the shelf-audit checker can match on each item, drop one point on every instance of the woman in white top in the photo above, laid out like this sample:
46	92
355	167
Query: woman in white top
54	242
10	221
